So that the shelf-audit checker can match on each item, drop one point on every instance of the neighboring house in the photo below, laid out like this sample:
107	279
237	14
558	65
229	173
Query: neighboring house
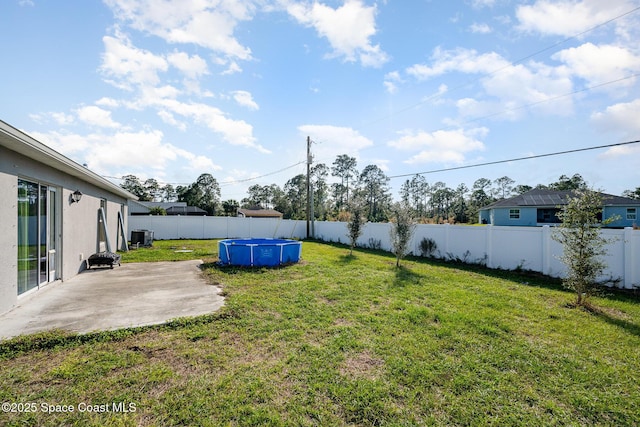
137	207
259	213
171	208
186	210
50	216
539	207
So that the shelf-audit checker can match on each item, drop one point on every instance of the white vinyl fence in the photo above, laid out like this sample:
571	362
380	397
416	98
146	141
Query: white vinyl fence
529	248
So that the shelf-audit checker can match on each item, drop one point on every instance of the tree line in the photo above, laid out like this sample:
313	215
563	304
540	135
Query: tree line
368	188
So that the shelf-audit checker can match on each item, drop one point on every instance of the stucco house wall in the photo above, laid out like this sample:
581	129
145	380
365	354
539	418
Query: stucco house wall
503	212
527	216
76	224
8	236
625	219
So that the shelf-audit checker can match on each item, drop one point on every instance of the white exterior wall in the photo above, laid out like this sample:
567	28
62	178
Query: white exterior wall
8	240
78	228
530	248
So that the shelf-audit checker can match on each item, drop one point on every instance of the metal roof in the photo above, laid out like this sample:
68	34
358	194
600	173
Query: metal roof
18	141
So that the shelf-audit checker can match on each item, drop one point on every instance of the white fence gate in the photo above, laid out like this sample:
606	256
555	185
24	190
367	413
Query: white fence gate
530	248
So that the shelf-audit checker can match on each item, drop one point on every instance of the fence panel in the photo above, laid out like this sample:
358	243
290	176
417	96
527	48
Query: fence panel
531	248
524	251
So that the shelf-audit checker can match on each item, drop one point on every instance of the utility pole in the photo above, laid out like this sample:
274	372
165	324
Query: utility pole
309	160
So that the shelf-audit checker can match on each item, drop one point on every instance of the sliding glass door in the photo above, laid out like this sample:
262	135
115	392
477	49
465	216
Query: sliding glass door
37	234
27	236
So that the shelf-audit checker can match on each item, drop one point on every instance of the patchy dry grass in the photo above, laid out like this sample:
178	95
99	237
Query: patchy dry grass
347	340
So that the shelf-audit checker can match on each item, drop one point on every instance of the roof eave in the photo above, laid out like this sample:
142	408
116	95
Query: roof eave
21	143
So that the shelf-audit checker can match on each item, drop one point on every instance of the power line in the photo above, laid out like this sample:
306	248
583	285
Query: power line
238	181
498	70
553	98
517	159
531	104
261	176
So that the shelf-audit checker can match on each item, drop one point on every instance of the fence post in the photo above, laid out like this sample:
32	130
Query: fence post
628	257
489	245
446	238
546	249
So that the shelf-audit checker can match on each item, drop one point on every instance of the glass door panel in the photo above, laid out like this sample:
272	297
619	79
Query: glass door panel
28	245
43	254
53	233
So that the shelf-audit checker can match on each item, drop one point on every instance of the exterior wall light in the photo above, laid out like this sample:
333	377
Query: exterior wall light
75	196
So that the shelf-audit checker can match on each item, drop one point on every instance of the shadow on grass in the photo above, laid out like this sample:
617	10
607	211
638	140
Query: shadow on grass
347	258
234	269
630	327
611	319
406	276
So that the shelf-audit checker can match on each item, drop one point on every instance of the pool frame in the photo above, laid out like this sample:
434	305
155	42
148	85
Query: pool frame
287	252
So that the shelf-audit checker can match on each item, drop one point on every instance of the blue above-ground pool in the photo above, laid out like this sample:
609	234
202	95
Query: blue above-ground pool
259	252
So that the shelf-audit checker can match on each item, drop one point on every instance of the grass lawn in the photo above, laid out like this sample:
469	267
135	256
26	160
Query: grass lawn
345	340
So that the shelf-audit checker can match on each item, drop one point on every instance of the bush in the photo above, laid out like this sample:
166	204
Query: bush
402	228
584	246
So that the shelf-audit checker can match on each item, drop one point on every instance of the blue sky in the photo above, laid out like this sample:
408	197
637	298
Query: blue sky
170	89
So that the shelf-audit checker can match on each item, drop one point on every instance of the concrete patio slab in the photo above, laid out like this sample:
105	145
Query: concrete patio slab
130	295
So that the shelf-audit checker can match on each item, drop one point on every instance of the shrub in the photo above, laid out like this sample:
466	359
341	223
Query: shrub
402	228
583	245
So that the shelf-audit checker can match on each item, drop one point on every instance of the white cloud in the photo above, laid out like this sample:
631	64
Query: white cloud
170	119
232	68
391	81
235	132
334	140
519	85
207	23
620	119
459	60
192	66
61	119
245	99
96	116
568	17
63	142
600	64
107	102
480	28
348	29
483	3
440	146
126	151
514	86
130	66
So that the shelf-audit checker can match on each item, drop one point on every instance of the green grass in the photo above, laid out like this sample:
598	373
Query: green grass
349	340
173	250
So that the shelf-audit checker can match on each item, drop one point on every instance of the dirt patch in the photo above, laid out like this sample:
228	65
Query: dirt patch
362	365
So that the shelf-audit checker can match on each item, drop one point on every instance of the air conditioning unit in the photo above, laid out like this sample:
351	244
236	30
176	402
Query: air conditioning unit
141	237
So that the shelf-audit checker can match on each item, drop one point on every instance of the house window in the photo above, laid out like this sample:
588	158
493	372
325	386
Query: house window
514	213
631	214
548	216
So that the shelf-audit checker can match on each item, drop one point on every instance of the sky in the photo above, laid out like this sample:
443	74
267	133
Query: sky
171	89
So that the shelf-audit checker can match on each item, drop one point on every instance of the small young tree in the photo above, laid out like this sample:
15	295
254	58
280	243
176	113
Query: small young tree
582	242
402	227
355	226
